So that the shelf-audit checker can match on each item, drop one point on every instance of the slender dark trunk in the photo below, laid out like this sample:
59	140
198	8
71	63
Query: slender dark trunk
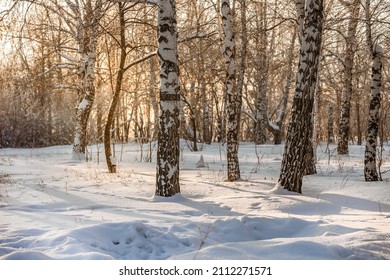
195	132
111	162
262	77
330	124
358	124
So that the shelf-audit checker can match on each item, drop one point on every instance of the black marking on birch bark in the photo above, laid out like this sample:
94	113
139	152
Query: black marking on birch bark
299	130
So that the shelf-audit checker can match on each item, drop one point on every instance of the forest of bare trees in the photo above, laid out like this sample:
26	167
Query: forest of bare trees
302	73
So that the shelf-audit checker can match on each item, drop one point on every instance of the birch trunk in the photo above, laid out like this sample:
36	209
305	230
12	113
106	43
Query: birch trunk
298	135
88	18
87	96
344	125
168	152
232	98
370	166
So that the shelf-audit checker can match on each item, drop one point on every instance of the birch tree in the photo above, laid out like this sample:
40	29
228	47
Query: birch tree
87	16
370	164
167	179
81	19
233	100
298	134
344	125
168	151
376	53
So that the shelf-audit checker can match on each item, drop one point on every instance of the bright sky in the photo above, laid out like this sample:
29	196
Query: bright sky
4	4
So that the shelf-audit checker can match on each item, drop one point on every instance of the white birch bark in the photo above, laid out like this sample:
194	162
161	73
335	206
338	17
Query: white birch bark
87	32
298	135
232	108
370	165
167	175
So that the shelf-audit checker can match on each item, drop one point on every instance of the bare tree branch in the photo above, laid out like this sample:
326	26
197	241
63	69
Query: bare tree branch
152	2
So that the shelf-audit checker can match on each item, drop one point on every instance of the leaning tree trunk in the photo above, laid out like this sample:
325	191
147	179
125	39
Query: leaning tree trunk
232	98
111	163
168	152
298	134
344	126
87	40
370	166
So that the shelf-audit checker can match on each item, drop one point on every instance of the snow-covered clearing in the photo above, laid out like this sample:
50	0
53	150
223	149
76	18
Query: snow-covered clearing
52	207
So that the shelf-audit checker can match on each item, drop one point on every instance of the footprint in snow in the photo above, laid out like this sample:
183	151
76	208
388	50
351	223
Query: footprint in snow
255	205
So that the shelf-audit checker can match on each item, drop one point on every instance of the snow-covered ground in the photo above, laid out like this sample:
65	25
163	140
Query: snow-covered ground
52	207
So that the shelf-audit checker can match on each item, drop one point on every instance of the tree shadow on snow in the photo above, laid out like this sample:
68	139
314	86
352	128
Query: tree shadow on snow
356	203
